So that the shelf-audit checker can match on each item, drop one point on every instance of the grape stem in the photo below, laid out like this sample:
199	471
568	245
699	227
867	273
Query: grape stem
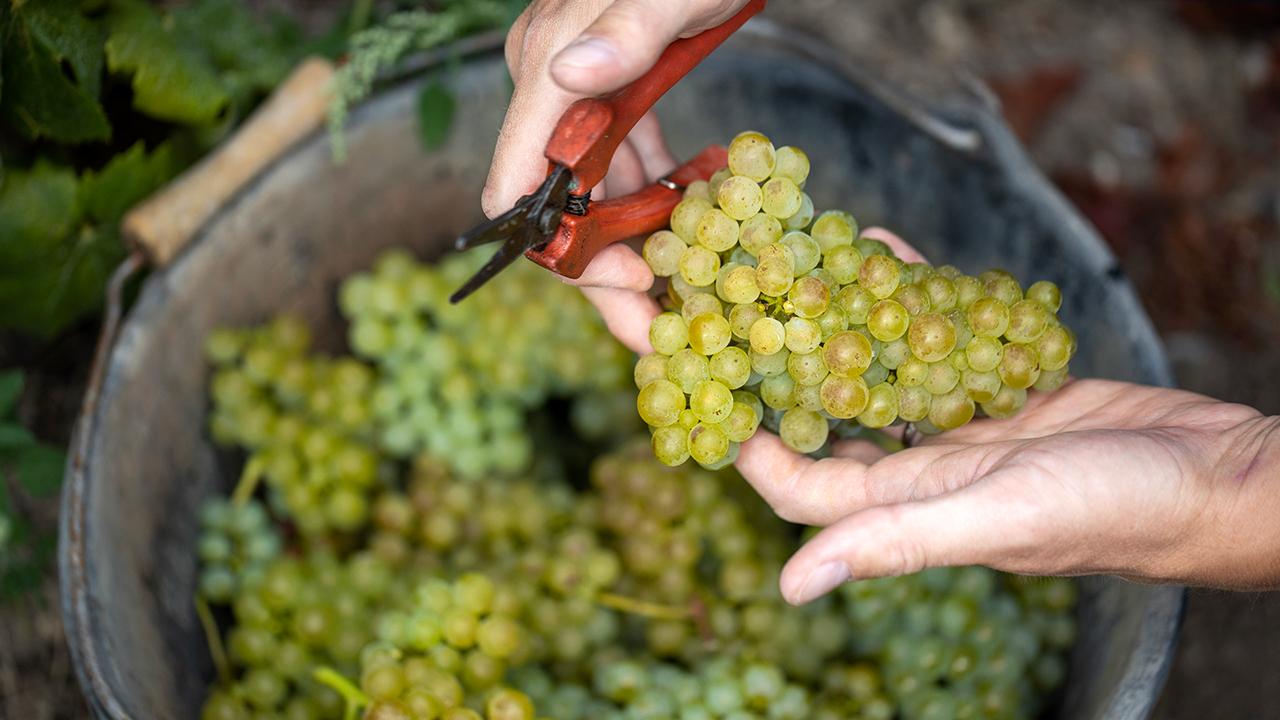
353	698
248	484
211	636
644	608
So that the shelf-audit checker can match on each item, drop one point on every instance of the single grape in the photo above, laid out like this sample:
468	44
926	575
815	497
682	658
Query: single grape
699	266
882	406
913	402
685	218
847	354
1019	368
801	219
708	444
942	378
806	254
769	364
1051	380
778	391
879	275
742	317
988	317
741	423
739	197
888	320
941	291
767	336
843	397
875	374
711	401
832	321
932	337
660	403
802	335
698	189
803	430
1006	403
912	372
1002	286
843	262
807	368
699	303
809	397
1027	321
968	290
856	303
774	277
738	284
717	177
731	366
662	251
668	333
912	297
983	353
1047	294
759	231
752	154
791	163
1054	348
951	410
709	333
981	387
809	297
686	368
834	229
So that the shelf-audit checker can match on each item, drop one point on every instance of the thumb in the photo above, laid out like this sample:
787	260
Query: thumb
627	38
979	525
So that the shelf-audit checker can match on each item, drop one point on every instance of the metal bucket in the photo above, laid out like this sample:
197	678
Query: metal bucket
956	184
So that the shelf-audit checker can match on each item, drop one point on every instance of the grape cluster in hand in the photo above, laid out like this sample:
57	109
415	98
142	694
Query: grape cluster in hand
791	320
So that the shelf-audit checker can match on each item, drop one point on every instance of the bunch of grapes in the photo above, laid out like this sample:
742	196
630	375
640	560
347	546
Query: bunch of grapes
456	380
237	542
820	325
305	420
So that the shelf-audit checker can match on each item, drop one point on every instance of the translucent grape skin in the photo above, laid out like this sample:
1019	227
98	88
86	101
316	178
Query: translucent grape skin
767	336
739	197
668	333
882	406
709	333
717	232
708	444
932	337
711	401
843	397
847	354
879	275
888	320
753	155
660	402
803	430
780	198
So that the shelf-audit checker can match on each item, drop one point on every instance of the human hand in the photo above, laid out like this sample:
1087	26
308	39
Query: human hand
1107	477
559	51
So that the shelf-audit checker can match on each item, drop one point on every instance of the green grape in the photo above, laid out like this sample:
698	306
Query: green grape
508	704
1027	322
913	298
834	229
708	444
699	303
808	297
983	353
791	163
809	397
711	401
932	337
685	218
659	403
742	317
1054	348
717	177
805	252
951	410
802	335
893	354
913	402
988	317
778	251
1006	403
875	374
856	303
968	290
1046	294
832	321
751	154
981	387
767	336
912	372
778	391
942	378
739	197
843	262
882	406
687	368
699	266
742	421
801	219
731	366
781	198
1051	380
671	444
943	297
1002	286
1019	368
807	368
803	430
843	397
774	276
662	251
759	231
769	364
879	275
668	333
888	320
709	333
738	284
847	354
698	189
687	419
717	231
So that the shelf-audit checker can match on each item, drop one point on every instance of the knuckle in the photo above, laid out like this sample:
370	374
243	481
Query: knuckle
905	554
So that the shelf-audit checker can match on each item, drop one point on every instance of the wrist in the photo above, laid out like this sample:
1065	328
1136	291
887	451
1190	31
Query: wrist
1245	492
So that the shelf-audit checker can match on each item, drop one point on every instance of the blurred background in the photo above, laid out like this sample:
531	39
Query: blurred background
1159	120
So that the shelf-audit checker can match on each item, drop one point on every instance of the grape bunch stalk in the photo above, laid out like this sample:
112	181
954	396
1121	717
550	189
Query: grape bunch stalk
783	318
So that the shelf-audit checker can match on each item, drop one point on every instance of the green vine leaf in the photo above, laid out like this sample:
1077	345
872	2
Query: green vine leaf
39	100
37	212
105	195
70	36
39	468
10	391
436	107
13	437
170	82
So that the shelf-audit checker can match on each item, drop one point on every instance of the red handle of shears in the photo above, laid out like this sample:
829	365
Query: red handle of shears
588	135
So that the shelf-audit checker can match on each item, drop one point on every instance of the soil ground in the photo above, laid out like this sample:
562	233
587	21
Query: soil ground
1159	119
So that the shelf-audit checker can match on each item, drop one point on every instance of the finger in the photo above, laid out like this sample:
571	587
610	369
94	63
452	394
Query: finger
980	525
904	251
646	137
626	40
626	172
616	266
819	492
627	314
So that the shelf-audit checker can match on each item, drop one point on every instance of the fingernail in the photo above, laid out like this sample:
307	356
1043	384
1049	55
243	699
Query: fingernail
821	581
588	52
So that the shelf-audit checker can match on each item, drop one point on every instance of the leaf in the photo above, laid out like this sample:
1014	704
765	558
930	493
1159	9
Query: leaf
69	36
14	437
37	212
40	469
170	81
436	106
107	194
39	100
46	298
10	391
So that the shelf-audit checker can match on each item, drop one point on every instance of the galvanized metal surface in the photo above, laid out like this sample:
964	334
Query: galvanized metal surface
956	184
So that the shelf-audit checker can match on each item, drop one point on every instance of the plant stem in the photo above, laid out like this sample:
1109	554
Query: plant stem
652	610
248	484
352	697
211	636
